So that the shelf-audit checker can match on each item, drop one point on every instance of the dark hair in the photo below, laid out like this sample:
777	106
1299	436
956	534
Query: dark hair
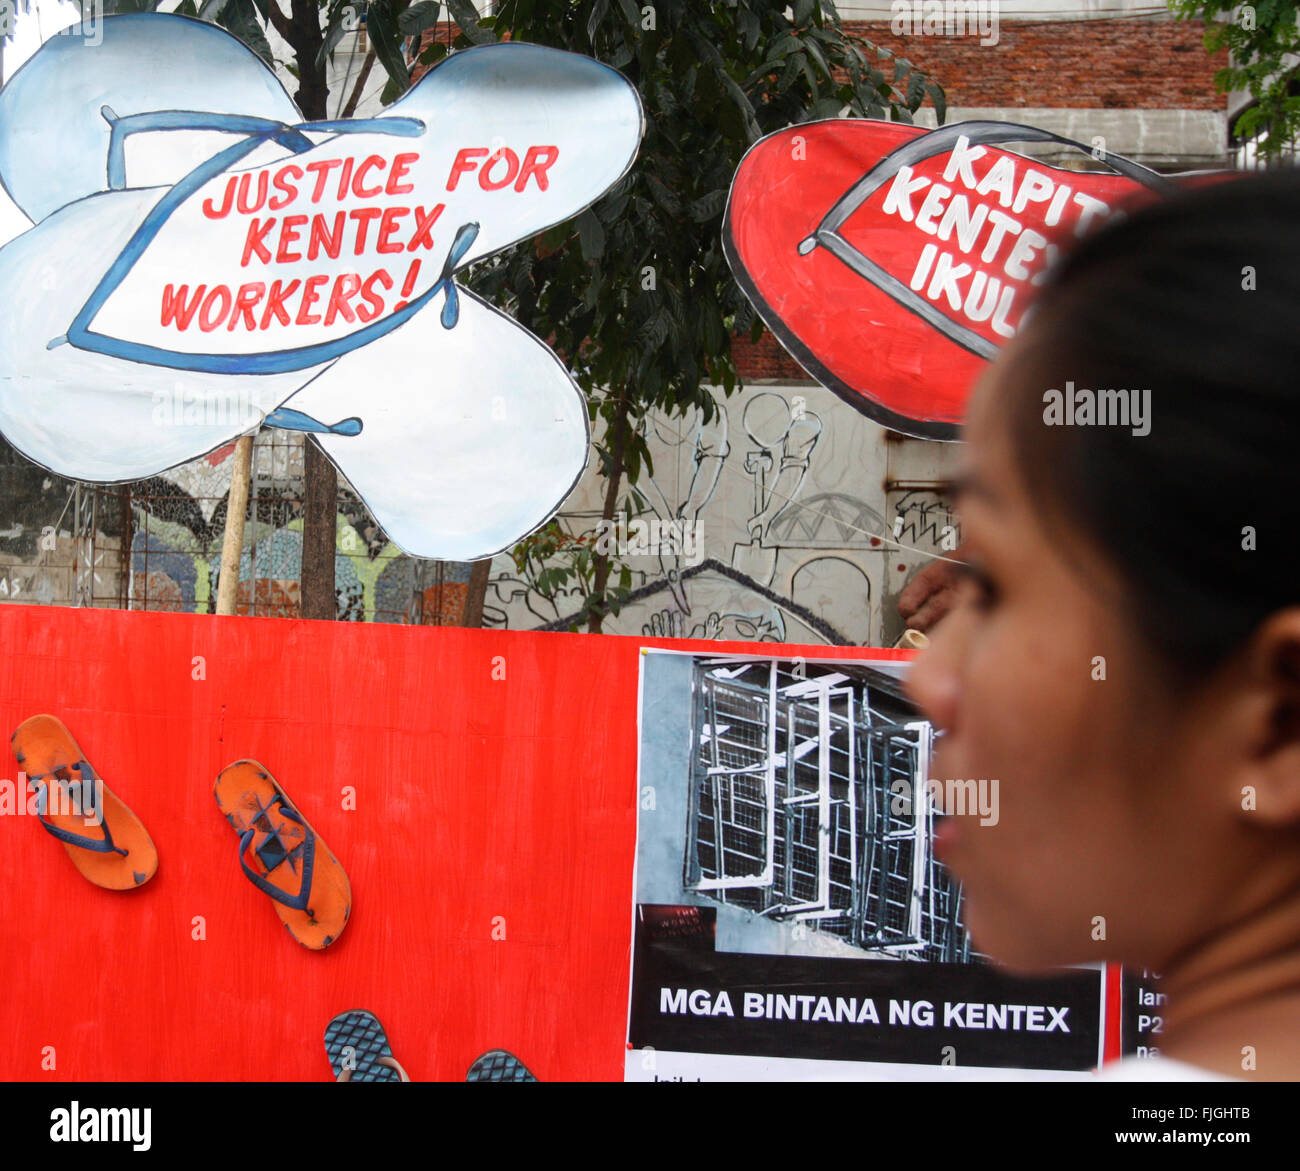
1196	297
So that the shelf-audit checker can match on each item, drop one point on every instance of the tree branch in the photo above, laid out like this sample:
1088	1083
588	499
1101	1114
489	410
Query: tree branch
279	21
351	107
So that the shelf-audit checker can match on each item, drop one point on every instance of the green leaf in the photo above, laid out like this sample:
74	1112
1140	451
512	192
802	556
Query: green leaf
655	331
338	23
663	196
598	12
240	17
940	100
708	206
806	68
419	17
591	236
788	74
916	90
783	46
752	131
815	52
712	331
387	41
553	237
466	16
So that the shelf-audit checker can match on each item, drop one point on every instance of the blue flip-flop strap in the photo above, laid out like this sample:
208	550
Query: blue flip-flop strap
299	901
102	845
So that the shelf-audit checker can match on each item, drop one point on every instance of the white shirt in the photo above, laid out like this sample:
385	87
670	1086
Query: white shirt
1157	1069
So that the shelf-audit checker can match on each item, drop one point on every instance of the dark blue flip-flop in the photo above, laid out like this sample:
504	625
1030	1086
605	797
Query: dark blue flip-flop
499	1066
357	1046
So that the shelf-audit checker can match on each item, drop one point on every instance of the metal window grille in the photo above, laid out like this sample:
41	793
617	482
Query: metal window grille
806	805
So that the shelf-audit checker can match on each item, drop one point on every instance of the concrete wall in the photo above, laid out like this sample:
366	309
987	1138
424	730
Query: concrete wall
794	497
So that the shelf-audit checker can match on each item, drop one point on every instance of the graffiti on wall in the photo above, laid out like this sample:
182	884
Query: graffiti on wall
784	490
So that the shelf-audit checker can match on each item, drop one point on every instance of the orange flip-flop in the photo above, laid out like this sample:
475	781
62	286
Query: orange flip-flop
295	867
117	853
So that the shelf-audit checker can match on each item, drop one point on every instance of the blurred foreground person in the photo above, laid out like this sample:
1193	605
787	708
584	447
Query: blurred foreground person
1123	654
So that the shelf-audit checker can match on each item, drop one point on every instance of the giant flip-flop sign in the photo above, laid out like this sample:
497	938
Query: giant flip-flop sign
893	262
203	261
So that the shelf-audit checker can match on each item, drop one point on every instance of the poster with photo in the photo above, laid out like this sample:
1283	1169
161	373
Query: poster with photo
1142	1012
791	919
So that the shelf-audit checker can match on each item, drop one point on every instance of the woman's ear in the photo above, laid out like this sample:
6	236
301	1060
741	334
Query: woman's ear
1271	771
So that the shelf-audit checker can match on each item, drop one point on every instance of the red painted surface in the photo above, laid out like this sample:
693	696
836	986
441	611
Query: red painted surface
1114	1041
475	798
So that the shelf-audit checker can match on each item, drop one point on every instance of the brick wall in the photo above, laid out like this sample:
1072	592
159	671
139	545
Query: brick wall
765	358
1137	64
1147	63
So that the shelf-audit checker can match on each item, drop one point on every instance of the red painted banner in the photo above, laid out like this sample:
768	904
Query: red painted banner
488	836
892	262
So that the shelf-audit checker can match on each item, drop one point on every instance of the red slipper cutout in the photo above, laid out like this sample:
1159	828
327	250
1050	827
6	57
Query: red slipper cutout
107	843
289	861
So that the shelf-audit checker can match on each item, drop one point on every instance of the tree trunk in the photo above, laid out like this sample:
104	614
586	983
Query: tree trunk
601	562
320	497
306	37
319	533
477	592
232	545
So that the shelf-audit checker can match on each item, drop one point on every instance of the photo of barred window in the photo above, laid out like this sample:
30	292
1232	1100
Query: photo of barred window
809	805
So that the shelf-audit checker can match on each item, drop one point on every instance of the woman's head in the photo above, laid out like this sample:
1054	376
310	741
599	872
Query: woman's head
1126	665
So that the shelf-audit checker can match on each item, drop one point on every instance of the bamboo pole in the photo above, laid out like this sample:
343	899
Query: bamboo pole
236	512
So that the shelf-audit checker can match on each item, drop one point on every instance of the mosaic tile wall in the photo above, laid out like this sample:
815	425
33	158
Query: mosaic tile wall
61	544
